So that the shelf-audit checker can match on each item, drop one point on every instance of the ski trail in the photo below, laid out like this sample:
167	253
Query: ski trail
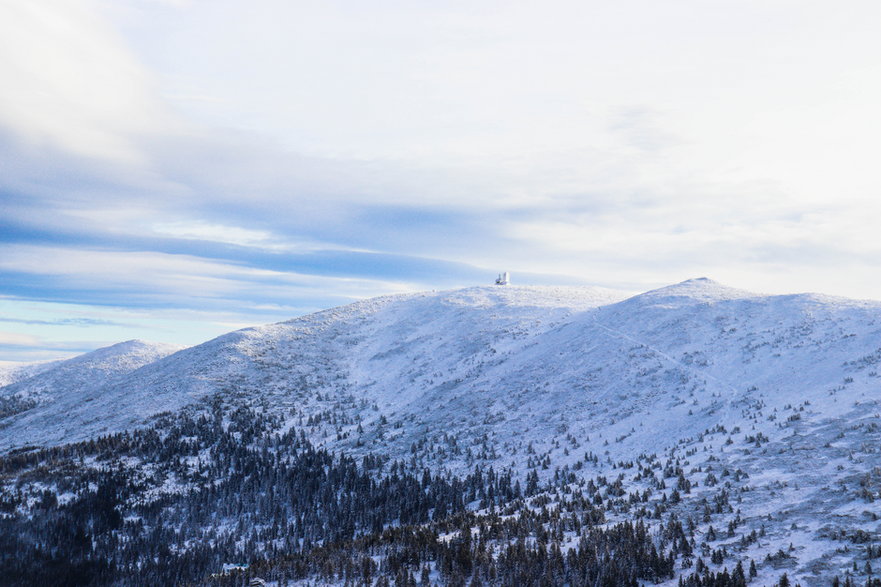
689	368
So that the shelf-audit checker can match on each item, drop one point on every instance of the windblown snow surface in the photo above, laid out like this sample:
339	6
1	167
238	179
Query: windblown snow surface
776	396
14	372
56	385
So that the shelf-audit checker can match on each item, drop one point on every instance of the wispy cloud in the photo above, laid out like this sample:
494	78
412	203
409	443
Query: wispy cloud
85	322
17	340
183	157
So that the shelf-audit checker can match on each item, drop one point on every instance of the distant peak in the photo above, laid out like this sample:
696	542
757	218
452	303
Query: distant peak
141	343
133	346
704	280
699	289
135	343
132	342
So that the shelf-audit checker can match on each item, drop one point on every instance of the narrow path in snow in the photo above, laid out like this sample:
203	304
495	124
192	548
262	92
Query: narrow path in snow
676	362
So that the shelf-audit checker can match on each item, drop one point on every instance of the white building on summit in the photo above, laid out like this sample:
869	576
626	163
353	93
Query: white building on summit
503	279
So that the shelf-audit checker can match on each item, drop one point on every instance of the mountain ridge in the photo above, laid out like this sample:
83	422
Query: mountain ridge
43	384
377	330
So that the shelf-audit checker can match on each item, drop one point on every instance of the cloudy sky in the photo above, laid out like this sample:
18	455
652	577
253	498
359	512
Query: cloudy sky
172	170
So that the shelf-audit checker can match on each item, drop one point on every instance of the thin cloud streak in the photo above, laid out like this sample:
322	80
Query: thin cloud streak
85	322
303	155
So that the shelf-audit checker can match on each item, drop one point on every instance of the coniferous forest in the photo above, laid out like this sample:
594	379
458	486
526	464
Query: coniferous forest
218	495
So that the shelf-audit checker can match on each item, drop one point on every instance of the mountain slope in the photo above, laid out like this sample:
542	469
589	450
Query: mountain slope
727	408
378	345
518	364
48	385
13	373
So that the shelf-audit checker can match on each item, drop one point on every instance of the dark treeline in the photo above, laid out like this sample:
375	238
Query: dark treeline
524	549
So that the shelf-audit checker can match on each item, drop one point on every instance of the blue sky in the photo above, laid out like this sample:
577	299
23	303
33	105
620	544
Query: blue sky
171	170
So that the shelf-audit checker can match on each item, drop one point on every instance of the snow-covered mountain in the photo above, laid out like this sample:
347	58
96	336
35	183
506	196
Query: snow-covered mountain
776	398
389	347
51	385
14	372
511	362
